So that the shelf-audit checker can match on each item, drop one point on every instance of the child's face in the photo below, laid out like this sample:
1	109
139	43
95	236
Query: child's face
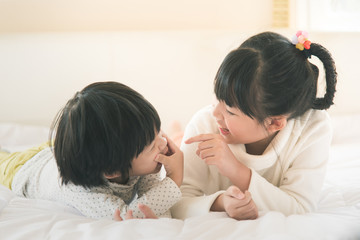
236	127
145	162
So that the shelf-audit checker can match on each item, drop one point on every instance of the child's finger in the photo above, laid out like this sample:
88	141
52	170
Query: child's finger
235	192
117	216
162	159
148	213
172	146
200	138
247	197
129	215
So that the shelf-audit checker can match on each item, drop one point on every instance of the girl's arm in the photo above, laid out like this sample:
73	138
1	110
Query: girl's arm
213	150
200	186
158	195
148	213
173	162
101	202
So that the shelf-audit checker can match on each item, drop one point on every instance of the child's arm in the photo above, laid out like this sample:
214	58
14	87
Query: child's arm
213	150
148	213
161	194
101	202
173	162
236	204
236	201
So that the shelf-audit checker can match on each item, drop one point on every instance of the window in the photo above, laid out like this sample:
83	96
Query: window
328	15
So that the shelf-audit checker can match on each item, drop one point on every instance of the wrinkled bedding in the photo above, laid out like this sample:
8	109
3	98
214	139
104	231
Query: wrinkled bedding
337	216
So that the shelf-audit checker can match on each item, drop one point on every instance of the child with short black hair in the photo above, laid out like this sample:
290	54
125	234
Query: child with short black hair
106	154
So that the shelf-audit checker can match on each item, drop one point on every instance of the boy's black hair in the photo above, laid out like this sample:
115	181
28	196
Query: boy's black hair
100	131
268	76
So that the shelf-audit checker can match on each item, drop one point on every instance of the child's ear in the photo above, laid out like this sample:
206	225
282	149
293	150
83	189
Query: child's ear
276	123
112	176
116	177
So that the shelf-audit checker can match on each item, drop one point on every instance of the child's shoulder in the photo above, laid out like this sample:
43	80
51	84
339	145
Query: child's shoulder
316	117
314	122
204	112
203	120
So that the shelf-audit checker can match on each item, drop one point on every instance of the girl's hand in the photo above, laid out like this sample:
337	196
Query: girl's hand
148	213
236	204
214	150
173	162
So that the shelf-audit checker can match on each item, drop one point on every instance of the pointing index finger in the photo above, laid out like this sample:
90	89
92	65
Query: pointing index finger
200	138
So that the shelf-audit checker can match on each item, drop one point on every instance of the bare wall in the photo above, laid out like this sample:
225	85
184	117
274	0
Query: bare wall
169	51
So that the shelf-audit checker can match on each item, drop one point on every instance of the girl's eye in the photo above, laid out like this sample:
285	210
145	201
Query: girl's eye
229	112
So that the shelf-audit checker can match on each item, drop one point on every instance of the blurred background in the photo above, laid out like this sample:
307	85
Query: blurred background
167	50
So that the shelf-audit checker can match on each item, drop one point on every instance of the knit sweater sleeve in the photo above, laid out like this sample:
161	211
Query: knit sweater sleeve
302	180
197	192
199	188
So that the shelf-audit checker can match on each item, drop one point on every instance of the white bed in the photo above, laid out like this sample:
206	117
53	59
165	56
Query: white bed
337	217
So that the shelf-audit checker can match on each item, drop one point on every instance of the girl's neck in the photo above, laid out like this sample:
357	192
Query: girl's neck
258	148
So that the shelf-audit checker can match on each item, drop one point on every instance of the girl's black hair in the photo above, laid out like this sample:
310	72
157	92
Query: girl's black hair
100	131
268	76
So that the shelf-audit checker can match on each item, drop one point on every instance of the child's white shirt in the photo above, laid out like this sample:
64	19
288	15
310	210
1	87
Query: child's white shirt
287	177
39	179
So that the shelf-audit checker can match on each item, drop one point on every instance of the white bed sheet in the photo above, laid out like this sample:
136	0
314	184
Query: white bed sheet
337	217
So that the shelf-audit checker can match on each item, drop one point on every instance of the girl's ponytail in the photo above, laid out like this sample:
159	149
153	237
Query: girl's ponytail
330	75
268	75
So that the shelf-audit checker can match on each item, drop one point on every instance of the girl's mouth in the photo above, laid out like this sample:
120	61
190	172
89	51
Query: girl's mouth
224	131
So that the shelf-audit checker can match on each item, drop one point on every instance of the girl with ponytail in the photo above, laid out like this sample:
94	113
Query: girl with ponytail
264	145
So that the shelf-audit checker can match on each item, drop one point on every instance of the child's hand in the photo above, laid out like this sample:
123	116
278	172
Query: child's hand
173	162
214	150
148	213
236	204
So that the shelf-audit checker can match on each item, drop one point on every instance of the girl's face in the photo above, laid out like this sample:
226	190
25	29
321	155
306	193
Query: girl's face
236	127
145	162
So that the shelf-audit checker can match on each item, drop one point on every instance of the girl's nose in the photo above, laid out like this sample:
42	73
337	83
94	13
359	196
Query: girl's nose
217	113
